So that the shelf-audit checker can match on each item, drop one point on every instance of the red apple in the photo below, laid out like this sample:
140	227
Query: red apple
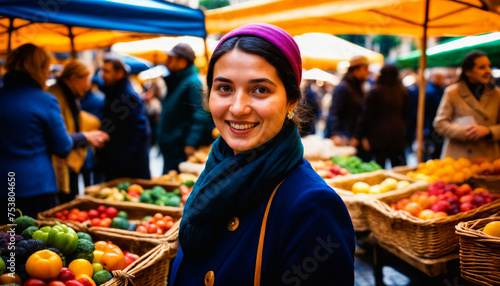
111	212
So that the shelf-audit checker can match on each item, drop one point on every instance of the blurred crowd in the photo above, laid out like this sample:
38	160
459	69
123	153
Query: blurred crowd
101	120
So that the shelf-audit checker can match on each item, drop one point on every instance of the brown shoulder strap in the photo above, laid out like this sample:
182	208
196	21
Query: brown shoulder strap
258	263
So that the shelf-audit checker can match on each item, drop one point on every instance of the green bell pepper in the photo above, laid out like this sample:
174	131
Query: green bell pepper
63	238
42	234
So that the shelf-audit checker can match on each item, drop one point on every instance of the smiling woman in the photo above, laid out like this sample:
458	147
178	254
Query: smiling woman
259	213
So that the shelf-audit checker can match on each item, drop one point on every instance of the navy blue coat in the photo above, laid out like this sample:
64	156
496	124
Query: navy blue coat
347	101
32	129
309	240
126	154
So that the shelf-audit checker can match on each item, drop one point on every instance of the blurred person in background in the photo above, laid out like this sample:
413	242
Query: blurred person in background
184	125
346	105
433	94
32	130
92	102
469	114
312	106
126	154
384	118
71	85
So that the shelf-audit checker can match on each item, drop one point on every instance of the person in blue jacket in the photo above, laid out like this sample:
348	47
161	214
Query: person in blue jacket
126	154
32	130
259	214
184	125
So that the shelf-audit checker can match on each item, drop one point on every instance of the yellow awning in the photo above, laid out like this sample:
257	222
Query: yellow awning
390	17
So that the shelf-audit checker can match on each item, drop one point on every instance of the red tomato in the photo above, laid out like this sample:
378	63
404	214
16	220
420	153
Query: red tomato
95	222
83	216
73	216
93	214
74	210
106	222
59	215
65	212
142	229
85	281
152	228
159	231
184	190
101	209
34	282
169	225
111	212
66	275
158	216
103	215
168	218
161	224
56	283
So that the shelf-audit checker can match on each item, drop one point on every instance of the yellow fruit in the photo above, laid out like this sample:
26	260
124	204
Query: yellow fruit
492	228
361	188
402	184
391	183
81	266
375	190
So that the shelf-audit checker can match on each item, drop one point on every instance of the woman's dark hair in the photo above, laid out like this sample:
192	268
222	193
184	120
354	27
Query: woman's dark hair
469	62
389	75
260	47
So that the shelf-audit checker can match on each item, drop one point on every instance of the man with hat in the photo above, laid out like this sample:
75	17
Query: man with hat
184	125
346	103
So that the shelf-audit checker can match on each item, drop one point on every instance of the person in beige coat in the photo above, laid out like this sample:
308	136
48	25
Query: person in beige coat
469	113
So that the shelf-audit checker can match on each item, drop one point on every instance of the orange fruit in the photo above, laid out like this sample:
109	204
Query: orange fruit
492	228
413	208
440	215
426	214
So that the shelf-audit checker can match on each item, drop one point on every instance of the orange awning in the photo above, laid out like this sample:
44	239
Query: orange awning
390	17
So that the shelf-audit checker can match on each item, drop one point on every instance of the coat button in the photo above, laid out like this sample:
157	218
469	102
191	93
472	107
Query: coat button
209	278
233	224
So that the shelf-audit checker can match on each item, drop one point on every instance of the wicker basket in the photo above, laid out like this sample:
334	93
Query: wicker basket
356	204
153	264
403	170
135	214
424	238
491	183
479	252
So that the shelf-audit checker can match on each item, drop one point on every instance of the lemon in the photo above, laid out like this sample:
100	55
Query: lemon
492	228
360	187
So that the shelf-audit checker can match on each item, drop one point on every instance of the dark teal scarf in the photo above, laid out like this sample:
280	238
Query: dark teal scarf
232	185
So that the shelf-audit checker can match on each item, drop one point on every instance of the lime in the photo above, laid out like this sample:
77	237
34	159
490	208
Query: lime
101	277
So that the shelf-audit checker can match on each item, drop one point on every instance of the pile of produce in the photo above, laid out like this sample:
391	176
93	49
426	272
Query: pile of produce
57	256
157	224
157	195
355	165
328	170
454	171
389	184
174	176
441	200
110	217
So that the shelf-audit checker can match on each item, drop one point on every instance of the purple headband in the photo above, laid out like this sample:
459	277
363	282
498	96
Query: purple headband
276	36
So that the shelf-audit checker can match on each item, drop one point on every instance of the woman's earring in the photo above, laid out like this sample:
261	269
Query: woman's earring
290	115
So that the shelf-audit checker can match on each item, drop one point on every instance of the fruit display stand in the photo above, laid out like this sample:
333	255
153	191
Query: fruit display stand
433	238
355	202
479	252
154	255
135	214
